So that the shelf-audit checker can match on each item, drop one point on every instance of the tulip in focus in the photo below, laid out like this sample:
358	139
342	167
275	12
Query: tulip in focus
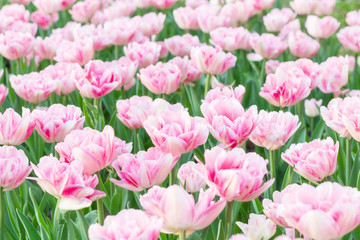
191	176
258	227
312	107
303	46
278	18
321	27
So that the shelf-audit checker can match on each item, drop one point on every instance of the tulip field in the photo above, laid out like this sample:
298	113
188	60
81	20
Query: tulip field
179	119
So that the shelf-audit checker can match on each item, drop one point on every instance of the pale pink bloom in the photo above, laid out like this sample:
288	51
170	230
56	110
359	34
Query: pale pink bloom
239	237
16	12
50	7
22	27
128	224
83	11
57	121
260	5
163	4
95	150
303	7
353	18
127	70
268	45
328	211
33	87
14	45
186	18
162	78
99	18
258	227
3	92
191	176
142	170
15	128
354	93
132	111
349	38
119	9
80	51
183	65
217	84
254	57
288	86
193	74
324	7
312	107
271	66
46	47
292	26
181	45
321	27
225	93
237	12
231	39
163	51
178	209
311	69
274	129
236	175
66	4
121	31
44	20
151	23
175	131
66	182
101	39
314	160
196	3
146	54
335	74
301	45
14	167
212	60
143	4
350	116
351	63
278	18
159	106
208	22
23	2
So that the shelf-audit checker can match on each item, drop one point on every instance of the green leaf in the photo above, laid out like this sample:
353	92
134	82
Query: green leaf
29	228
318	131
82	224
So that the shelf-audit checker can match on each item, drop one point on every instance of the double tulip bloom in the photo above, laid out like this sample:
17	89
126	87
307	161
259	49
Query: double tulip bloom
321	27
191	176
278	18
335	74
268	45
181	45
15	45
301	45
231	39
145	54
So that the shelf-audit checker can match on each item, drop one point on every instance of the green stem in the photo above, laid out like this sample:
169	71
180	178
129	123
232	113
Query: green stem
99	204
56	220
348	161
354	81
207	84
228	219
272	169
135	141
182	235
262	73
171	176
299	112
2	213
116	52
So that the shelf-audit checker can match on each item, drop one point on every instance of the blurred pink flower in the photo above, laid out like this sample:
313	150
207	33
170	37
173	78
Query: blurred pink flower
350	116
312	107
193	74
237	12
80	51
335	74
163	4
324	7
163	51
181	45
23	2
292	26
127	69
321	27
311	69
303	7
239	237
348	37
278	18
46	47
268	45
178	210
14	45
4	91
258	227
231	39
146	54
183	65
121	31
101	39
150	23
260	5
196	3
186	18
353	18
44	20
271	66
83	11
50	7
191	176
301	45
17	12
118	9
209	22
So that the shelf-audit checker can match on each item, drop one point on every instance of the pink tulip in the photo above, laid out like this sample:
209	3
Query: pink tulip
33	87
324	7
67	182
268	45
128	224
348	37
237	12
14	167
83	11
278	18
162	78
101	39
143	4
146	54
127	69
328	211
80	51
321	27
260	5
178	210
212	60
288	86
46	47
274	129
335	74
303	46
186	18
16	129
3	92
196	3
236	175
14	45
292	26
16	12
193	74
52	6
174	131
57	121
191	176
151	23
44	20
132	111
312	107
163	4
258	227
121	31
303	7
239	237
143	170
22	2
231	39
181	45
310	69
119	9
353	18
271	66
183	65
350	116
94	149
208	22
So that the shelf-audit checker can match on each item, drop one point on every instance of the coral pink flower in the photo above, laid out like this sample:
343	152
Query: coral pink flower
151	23
57	121
99	79
268	45
146	54
335	74
94	149
303	46
121	31
288	86
178	210
311	69
143	170
186	18
15	128
83	11
258	227
324	7
271	66
14	45
15	167
312	107
67	182
353	18
237	12
278	18
321	27
33	87
212	60
181	45
128	224
314	160
292	26
208	22
3	92
328	211
303	7
174	131
127	70
80	51
231	39
236	175
132	111
44	20
348	37
162	78
274	129
16	12
191	176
